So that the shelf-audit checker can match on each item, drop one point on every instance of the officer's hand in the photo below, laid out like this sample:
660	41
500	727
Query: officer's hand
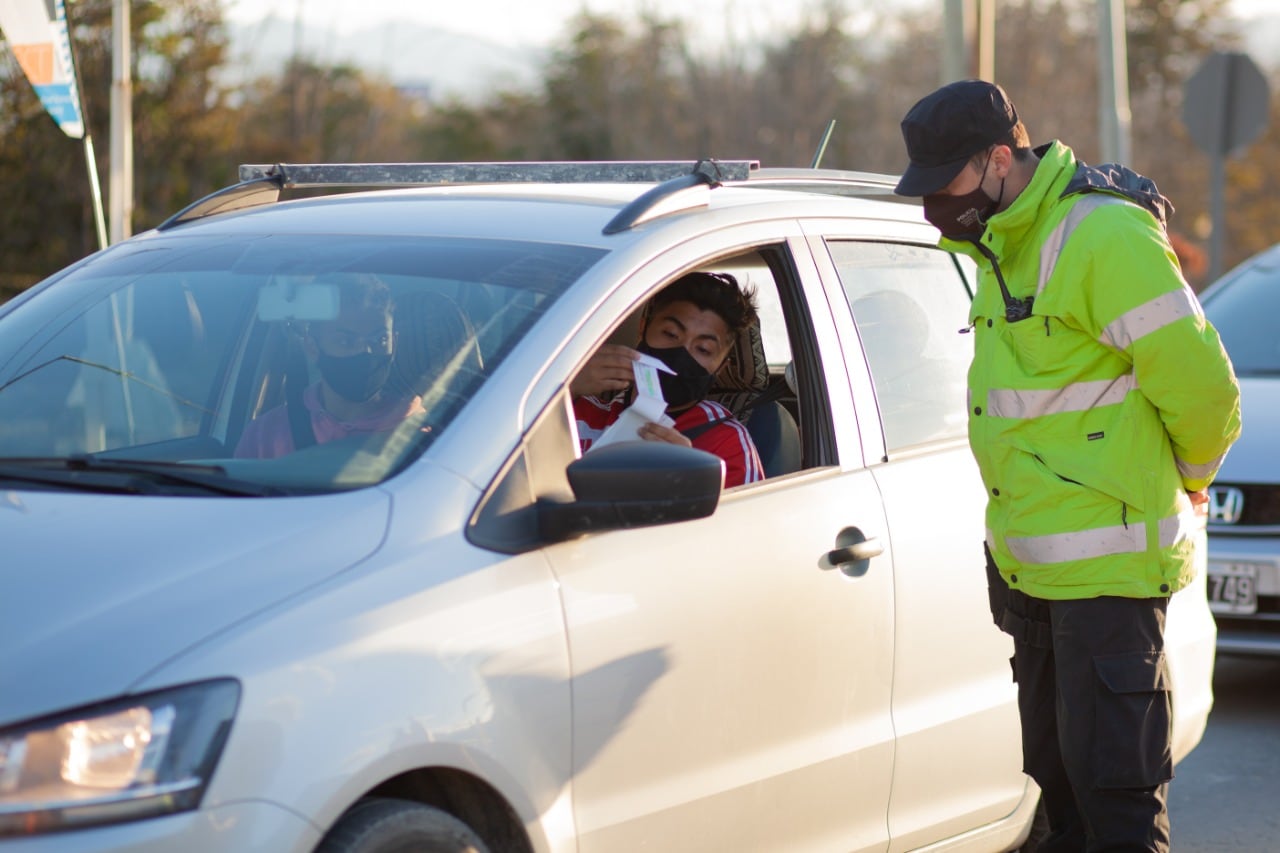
608	370
658	432
1200	501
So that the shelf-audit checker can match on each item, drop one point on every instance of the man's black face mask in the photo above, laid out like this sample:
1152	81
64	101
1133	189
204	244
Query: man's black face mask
356	378
691	381
963	217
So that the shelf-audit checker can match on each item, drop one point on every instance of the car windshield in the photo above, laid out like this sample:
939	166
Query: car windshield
260	364
1243	311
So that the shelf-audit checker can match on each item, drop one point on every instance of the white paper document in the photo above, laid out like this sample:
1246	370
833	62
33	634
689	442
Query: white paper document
649	406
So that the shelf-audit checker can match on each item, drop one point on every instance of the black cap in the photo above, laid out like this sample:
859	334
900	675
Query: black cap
947	127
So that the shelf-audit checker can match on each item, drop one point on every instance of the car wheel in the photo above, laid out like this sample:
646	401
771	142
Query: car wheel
379	825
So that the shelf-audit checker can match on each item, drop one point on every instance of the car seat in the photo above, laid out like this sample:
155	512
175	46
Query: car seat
742	385
437	354
911	387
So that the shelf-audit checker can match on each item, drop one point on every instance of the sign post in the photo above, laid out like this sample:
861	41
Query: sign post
1224	107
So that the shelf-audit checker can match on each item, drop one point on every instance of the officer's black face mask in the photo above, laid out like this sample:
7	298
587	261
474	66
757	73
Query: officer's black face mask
691	381
962	217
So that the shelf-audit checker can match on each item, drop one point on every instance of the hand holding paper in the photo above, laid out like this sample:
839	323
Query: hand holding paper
649	405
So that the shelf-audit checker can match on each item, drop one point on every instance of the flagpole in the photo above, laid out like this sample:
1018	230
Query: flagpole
121	173
95	190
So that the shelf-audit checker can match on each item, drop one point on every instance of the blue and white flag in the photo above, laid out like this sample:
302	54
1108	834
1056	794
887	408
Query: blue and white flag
36	32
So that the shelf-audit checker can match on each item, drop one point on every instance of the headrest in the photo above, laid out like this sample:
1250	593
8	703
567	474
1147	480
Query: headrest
745	372
433	337
892	325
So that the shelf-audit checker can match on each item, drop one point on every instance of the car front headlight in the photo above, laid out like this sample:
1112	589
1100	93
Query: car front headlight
124	760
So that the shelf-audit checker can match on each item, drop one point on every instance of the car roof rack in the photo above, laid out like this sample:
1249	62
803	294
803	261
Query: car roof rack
261	183
302	175
676	182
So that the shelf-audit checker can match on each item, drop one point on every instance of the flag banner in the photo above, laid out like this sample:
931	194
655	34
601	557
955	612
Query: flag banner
36	32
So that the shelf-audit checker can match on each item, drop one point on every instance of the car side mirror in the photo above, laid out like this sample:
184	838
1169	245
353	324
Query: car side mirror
633	484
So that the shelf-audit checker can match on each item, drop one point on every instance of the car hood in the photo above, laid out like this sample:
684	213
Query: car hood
101	589
1252	459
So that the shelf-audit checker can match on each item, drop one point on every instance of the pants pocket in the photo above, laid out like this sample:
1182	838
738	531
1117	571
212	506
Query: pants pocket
1133	718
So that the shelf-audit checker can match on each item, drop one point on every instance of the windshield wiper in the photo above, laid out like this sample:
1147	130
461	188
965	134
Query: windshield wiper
84	472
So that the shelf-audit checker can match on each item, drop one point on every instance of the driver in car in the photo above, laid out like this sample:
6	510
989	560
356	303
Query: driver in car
353	354
691	326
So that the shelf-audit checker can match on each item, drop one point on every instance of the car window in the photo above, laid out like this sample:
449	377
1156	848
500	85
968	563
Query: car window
178	352
1243	309
787	419
911	307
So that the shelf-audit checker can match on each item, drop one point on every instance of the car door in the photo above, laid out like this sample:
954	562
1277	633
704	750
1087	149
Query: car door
958	760
731	689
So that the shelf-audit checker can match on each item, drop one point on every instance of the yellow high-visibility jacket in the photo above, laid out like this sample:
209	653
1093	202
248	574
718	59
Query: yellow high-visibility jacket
1094	416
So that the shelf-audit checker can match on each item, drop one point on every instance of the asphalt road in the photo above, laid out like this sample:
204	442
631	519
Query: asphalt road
1224	794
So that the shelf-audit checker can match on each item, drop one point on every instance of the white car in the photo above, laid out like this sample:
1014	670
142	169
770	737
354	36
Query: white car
1244	501
463	633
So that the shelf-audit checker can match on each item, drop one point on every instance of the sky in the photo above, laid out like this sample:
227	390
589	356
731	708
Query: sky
539	22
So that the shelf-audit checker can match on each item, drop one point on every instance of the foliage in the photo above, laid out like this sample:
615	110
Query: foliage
314	114
181	130
614	88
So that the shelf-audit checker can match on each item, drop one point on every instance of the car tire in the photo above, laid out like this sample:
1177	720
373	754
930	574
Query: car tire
378	825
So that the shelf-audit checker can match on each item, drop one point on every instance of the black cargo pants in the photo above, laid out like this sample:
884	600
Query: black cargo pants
1094	703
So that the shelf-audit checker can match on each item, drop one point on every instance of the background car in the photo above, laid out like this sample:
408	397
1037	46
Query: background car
463	631
1244	501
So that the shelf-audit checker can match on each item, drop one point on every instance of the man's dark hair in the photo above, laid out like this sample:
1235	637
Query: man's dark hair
363	290
356	291
712	291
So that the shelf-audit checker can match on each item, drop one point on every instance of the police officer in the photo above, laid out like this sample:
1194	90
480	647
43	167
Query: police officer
1101	406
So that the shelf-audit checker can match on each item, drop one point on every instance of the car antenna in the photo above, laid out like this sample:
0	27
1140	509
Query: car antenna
822	146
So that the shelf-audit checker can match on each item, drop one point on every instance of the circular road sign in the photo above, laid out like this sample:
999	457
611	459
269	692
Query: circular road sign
1225	103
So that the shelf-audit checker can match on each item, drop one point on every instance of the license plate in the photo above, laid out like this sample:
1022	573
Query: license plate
1233	588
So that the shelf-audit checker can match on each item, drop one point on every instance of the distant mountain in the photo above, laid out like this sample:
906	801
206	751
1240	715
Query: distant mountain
429	60
438	64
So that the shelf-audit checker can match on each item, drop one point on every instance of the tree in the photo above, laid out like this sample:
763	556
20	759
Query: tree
509	126
183	120
615	89
46	218
1046	57
181	131
315	113
617	94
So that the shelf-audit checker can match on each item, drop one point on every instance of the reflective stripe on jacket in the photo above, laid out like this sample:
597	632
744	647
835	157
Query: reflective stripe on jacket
1093	417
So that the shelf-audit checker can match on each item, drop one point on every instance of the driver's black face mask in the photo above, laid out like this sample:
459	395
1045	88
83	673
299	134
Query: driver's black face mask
963	217
356	378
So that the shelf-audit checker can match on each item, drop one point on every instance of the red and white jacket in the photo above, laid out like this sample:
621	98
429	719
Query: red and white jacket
727	439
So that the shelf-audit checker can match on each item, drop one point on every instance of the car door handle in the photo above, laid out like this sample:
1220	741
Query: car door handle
853	557
855	553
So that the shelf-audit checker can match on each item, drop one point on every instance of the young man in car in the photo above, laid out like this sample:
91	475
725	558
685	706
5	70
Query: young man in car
691	326
1101	407
354	355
